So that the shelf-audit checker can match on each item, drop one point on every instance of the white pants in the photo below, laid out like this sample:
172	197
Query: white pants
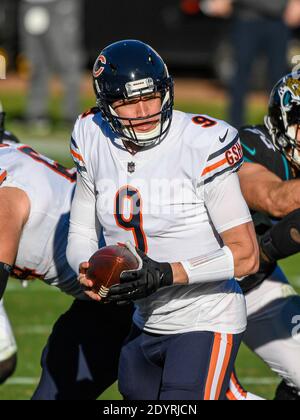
273	331
8	345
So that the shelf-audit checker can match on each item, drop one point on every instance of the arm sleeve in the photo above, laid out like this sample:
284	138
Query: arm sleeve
224	157
84	228
225	203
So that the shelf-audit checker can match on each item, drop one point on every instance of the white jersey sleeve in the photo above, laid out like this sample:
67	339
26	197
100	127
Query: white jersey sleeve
225	155
9	179
50	188
223	198
225	203
84	228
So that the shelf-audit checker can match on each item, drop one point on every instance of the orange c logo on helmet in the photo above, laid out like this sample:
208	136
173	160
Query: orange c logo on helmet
99	70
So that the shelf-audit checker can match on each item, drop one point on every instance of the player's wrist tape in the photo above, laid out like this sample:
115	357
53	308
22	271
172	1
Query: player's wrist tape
283	239
166	278
5	271
213	267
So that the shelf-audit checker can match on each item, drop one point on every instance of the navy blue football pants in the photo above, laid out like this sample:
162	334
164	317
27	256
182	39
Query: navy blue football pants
80	360
190	366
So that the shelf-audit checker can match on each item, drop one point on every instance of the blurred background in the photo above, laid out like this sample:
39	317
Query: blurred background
51	45
225	55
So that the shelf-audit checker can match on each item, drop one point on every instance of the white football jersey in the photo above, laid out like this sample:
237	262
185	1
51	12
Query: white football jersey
50	187
159	199
8	346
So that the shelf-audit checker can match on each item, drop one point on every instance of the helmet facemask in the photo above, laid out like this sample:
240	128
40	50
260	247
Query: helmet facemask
283	122
164	116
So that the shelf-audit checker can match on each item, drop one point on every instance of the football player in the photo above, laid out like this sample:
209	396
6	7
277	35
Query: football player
166	181
35	195
271	185
8	347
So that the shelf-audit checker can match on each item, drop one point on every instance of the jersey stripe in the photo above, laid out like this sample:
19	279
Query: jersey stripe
224	150
227	342
220	359
3	176
236	392
75	149
229	158
233	168
77	157
286	167
212	366
230	396
214	166
236	387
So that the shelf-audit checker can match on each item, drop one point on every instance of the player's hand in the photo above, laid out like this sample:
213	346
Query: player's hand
292	14
138	284
86	283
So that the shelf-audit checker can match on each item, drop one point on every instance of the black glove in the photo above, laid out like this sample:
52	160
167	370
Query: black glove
141	283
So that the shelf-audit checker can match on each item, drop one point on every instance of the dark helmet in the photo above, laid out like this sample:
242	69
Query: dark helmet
5	136
284	117
129	69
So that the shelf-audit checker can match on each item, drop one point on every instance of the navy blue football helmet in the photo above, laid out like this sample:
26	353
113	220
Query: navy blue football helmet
131	69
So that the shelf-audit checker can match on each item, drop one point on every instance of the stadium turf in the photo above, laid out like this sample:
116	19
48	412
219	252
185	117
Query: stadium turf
33	311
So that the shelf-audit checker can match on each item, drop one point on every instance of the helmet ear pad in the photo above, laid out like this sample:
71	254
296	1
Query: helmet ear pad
131	69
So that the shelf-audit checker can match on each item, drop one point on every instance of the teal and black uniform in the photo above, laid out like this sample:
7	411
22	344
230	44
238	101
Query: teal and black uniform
258	148
270	332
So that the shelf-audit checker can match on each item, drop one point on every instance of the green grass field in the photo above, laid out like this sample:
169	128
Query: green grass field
33	310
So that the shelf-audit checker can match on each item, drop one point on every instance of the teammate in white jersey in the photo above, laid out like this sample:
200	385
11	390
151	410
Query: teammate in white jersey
167	182
35	195
8	346
35	203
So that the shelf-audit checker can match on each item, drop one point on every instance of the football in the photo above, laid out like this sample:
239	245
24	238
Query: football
106	266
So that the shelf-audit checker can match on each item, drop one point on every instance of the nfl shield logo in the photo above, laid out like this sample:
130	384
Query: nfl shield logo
131	167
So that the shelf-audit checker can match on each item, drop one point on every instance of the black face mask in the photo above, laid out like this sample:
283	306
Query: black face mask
293	117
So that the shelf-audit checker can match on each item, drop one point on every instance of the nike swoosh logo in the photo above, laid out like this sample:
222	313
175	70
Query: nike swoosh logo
252	152
222	139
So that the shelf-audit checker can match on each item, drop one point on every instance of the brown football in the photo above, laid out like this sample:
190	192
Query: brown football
106	266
